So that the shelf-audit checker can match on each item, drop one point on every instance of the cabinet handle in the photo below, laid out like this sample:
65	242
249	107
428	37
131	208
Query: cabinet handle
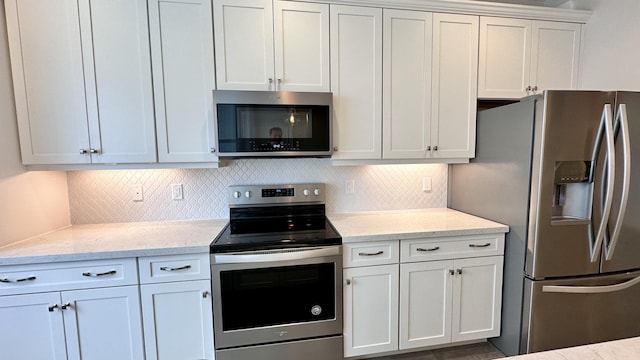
53	307
270	81
429	148
528	88
83	151
205	294
213	150
429	249
112	272
371	254
479	246
435	148
347	281
535	88
65	306
30	278
451	272
166	268
459	271
94	151
335	148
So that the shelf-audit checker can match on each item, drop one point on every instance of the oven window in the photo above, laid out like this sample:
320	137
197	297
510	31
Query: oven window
277	295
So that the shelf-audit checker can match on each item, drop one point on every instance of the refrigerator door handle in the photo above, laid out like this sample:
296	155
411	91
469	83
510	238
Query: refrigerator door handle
591	289
622	122
608	201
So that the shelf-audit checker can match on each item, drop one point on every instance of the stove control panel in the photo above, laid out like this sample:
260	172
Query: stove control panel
242	195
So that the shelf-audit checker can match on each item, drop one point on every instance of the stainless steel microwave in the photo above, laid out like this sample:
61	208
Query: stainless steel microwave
273	123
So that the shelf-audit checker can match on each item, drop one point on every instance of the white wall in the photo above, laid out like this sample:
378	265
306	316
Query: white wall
611	54
31	203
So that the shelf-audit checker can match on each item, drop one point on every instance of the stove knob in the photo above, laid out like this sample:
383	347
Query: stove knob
316	192
306	192
247	194
237	194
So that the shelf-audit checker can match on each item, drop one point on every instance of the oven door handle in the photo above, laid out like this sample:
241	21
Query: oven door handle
275	255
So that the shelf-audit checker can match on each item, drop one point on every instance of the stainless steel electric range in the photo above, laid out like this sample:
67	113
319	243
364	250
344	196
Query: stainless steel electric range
276	276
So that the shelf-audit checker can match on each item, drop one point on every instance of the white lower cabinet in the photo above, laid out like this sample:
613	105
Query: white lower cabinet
449	301
101	323
416	293
169	283
169	334
370	310
71	310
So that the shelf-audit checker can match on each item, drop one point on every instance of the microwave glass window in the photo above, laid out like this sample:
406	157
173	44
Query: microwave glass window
274	123
273	128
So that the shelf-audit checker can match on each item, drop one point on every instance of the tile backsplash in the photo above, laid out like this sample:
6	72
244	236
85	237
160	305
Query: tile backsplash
106	196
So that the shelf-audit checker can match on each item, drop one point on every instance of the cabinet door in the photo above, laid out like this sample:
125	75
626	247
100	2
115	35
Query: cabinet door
103	323
356	81
182	51
48	78
505	56
370	310
301	43
425	303
477	298
454	86
244	44
555	55
406	99
117	63
28	330
184	334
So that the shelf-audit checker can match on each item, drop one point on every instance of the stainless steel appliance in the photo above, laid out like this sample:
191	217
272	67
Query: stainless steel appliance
276	276
273	123
561	170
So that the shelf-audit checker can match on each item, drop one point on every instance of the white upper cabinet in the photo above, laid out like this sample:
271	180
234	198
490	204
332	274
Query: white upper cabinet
271	45
82	81
183	72
454	86
555	55
430	82
406	99
523	57
356	81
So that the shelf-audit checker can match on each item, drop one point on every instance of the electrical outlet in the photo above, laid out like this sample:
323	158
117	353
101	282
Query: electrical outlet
349	187
136	193
177	192
426	184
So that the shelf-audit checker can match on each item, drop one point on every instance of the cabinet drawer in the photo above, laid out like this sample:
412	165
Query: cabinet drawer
370	253
21	279
157	269
452	247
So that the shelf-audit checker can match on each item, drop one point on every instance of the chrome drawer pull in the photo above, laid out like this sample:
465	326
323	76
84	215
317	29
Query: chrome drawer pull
112	272
52	307
166	268
479	246
429	249
371	254
30	278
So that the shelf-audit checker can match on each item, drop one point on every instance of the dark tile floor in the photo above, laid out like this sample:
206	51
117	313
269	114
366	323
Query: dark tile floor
480	351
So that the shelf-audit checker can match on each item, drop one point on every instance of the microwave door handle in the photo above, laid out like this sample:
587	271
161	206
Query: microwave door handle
610	168
622	122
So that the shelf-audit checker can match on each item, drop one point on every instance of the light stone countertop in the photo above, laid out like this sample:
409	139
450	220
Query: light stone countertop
410	224
110	241
119	240
626	349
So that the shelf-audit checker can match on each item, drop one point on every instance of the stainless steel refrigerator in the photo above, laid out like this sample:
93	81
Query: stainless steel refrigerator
562	169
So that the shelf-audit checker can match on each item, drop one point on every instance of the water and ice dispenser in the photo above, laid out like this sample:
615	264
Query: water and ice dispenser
573	192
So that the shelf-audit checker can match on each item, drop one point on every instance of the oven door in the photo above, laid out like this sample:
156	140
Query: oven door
272	296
